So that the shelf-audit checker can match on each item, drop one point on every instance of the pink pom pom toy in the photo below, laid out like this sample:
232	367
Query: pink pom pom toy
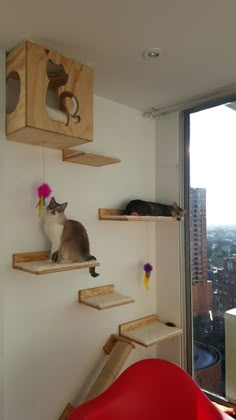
43	192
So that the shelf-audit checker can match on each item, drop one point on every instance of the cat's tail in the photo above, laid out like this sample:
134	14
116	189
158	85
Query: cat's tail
92	269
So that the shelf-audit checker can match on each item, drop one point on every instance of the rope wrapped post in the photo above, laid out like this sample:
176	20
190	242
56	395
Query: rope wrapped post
118	356
118	349
67	411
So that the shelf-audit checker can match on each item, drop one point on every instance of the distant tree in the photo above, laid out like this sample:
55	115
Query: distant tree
219	251
209	250
232	249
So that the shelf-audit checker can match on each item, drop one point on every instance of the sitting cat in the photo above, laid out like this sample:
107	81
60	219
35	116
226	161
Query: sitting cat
69	239
148	208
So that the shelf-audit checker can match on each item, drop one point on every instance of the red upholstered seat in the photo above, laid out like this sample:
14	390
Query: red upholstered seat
151	389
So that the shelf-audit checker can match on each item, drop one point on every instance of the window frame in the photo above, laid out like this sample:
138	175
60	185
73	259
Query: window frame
187	239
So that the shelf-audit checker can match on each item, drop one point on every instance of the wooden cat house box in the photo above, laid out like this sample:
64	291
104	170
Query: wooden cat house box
49	98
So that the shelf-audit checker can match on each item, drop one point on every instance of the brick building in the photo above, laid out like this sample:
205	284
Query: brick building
201	286
207	360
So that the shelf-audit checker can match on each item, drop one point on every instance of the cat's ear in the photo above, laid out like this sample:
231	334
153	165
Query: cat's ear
52	201
175	205
64	205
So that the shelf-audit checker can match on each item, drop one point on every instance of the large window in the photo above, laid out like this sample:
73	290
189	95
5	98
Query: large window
212	208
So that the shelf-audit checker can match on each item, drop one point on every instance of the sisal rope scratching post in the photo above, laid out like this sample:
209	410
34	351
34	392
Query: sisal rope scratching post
119	349
111	369
68	410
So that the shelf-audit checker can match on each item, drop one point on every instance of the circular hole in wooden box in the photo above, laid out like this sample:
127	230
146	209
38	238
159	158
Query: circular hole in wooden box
12	91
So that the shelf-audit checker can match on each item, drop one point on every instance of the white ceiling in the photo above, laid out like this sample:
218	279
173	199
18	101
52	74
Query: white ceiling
197	39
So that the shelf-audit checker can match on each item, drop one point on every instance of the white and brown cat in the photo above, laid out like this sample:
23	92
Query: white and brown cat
69	238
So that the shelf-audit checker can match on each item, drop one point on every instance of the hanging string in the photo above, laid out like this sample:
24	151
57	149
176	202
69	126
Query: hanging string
43	164
147	267
43	190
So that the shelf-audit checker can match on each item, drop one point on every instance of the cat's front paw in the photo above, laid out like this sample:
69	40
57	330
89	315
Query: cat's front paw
55	257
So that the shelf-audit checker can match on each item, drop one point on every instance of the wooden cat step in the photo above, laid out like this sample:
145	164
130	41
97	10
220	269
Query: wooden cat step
39	263
118	214
148	331
91	159
103	297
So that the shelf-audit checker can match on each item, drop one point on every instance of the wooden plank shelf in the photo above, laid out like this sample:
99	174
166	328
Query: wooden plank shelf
118	214
103	297
90	159
147	331
39	263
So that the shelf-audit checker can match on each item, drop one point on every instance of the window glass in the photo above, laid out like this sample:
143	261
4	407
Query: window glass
212	239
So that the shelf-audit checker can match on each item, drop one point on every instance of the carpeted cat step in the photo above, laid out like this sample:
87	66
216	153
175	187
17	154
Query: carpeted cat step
39	263
148	330
103	297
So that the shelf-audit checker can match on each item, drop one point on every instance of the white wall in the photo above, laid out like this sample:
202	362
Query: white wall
2	229
53	344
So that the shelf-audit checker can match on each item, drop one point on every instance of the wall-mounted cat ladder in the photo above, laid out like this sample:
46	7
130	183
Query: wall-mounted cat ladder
118	214
39	263
145	331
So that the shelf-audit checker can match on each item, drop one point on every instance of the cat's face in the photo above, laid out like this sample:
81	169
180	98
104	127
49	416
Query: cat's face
55	209
177	212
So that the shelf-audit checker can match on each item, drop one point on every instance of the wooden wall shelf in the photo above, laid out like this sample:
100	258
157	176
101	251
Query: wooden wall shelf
39	263
103	297
90	159
148	331
118	214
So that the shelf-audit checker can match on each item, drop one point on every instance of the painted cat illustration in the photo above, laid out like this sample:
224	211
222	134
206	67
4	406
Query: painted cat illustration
149	208
69	238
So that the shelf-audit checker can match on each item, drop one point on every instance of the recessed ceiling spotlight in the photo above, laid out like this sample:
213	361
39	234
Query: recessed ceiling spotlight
151	53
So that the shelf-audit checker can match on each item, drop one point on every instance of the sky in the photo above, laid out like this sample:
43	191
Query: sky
213	161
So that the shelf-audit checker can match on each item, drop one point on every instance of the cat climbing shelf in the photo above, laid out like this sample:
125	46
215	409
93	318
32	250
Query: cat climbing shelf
39	263
83	158
118	214
103	297
49	98
148	331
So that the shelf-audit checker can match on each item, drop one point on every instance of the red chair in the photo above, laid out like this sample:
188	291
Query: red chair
151	389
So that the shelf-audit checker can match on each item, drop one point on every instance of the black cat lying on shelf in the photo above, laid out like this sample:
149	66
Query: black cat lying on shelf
148	208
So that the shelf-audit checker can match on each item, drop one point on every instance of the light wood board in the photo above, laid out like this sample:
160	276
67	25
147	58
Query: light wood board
90	159
118	214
